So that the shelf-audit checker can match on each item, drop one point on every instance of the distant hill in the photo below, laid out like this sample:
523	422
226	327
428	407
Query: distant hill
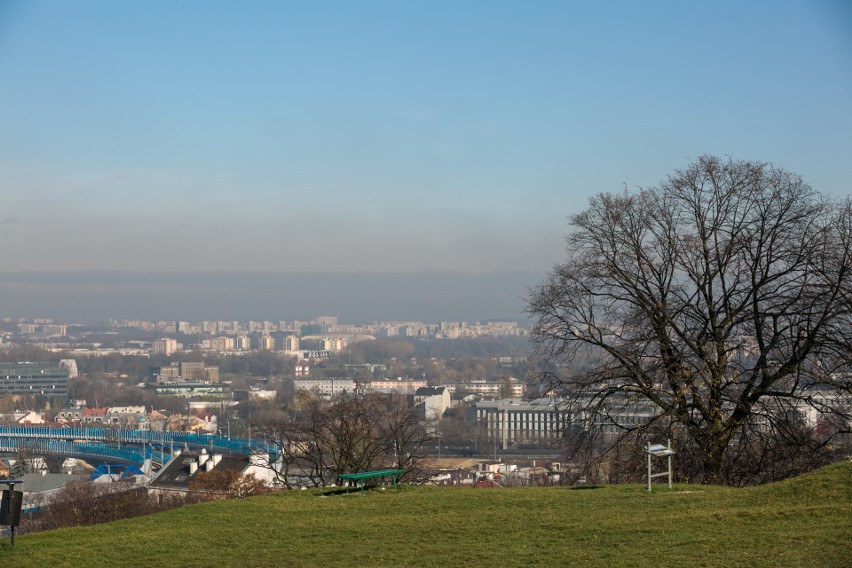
805	521
356	297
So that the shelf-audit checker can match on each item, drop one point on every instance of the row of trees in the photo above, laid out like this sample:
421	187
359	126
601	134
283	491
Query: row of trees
83	503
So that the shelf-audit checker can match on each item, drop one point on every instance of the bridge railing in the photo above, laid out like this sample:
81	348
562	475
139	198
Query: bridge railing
64	447
118	436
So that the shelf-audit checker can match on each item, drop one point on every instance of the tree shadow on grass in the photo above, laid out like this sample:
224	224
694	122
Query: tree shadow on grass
338	491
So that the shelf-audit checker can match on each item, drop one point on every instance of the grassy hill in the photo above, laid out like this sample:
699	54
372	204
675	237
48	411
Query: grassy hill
800	522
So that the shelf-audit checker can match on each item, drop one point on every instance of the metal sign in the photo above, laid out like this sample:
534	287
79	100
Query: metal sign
660	451
10	506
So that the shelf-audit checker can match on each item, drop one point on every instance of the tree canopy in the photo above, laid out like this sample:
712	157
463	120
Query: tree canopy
713	307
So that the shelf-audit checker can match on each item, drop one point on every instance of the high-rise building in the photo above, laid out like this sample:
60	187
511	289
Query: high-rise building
45	379
332	344
54	330
165	346
192	371
313	329
265	343
242	343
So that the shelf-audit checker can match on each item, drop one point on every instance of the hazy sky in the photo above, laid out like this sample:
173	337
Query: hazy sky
387	136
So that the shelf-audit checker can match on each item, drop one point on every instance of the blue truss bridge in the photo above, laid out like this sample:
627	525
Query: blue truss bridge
125	446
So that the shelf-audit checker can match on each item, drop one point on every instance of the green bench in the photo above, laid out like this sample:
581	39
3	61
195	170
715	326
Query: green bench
360	477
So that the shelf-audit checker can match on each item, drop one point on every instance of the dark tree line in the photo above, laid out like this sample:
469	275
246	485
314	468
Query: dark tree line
83	503
260	364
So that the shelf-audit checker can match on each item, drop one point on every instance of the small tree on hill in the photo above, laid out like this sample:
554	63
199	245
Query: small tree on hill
226	484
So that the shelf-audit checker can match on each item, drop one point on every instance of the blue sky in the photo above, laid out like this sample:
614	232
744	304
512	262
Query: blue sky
387	136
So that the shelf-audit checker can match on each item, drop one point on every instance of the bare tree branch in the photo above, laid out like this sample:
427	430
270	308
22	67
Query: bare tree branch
710	299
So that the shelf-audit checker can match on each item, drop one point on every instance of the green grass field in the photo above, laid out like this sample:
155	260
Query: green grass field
800	522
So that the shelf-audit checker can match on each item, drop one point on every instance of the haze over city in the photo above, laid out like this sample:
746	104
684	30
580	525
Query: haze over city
376	160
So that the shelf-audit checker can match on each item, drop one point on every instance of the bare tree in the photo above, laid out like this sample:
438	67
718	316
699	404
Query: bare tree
298	439
700	307
403	431
353	443
227	484
82	503
320	440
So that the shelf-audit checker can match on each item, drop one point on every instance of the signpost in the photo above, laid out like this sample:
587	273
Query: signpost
10	506
660	451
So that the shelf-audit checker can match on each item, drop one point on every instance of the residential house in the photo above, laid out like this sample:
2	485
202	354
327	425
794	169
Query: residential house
29	418
207	422
40	487
179	473
94	416
127	417
72	414
494	469
432	402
